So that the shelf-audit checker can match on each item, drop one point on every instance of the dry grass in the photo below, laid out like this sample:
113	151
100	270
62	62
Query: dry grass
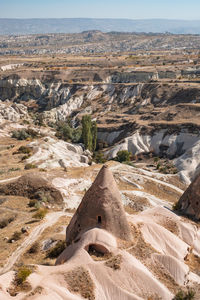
20	283
162	275
141	250
193	261
37	290
170	225
80	282
53	232
161	191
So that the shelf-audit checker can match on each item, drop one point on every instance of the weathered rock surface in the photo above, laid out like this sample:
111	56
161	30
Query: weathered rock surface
101	207
52	153
189	202
32	186
12	111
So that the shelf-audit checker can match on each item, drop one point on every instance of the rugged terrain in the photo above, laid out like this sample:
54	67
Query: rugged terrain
147	103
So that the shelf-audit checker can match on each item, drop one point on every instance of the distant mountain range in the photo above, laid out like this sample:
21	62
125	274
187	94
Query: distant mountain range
77	25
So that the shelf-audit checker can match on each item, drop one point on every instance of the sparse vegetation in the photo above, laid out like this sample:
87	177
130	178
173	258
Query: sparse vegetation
165	167
30	166
6	221
185	295
24	150
22	274
41	213
79	281
34	203
57	249
24	134
99	157
34	248
114	262
16	236
14	169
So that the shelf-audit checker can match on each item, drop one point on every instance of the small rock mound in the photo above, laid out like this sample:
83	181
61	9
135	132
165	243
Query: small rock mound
32	186
189	203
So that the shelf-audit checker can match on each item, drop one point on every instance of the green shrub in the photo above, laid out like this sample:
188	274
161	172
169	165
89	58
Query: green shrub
24	134
57	250
34	248
65	132
123	155
158	166
34	203
25	157
13	169
41	213
5	222
22	274
156	159
16	236
30	166
24	150
99	157
182	295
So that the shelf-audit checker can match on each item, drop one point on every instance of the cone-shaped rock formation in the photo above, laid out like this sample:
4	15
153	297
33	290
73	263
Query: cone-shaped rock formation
189	203
101	207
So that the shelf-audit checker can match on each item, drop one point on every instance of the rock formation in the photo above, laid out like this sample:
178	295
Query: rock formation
189	203
32	186
101	207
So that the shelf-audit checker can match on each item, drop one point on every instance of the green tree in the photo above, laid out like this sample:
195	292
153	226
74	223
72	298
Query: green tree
123	155
94	135
89	133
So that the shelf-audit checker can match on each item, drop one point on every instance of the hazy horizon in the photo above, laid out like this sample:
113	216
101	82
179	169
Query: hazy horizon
112	9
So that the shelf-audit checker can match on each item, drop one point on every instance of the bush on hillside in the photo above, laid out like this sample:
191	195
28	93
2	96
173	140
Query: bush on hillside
24	134
57	249
182	295
123	156
41	213
22	274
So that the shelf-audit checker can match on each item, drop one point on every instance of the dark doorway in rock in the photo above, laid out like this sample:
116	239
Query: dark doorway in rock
99	219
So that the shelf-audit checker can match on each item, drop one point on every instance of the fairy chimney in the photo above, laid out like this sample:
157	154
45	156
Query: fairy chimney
189	203
101	207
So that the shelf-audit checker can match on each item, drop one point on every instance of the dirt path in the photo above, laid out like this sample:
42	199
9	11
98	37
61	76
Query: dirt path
49	220
9	179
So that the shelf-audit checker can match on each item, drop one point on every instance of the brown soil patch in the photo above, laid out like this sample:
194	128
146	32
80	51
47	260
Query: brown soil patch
80	282
141	250
170	225
193	262
32	186
114	262
161	191
162	275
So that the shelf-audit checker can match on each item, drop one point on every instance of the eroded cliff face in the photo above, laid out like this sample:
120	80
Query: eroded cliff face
138	117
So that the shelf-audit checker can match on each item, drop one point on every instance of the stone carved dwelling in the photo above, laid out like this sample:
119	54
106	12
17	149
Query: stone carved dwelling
189	203
101	207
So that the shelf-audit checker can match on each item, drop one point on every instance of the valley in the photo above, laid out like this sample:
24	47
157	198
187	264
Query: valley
144	98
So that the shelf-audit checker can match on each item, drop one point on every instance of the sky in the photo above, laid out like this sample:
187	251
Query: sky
128	9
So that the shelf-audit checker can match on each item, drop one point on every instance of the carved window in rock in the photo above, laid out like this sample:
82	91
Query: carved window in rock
99	219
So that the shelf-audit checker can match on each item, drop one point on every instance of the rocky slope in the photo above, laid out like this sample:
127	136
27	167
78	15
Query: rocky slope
157	117
163	251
